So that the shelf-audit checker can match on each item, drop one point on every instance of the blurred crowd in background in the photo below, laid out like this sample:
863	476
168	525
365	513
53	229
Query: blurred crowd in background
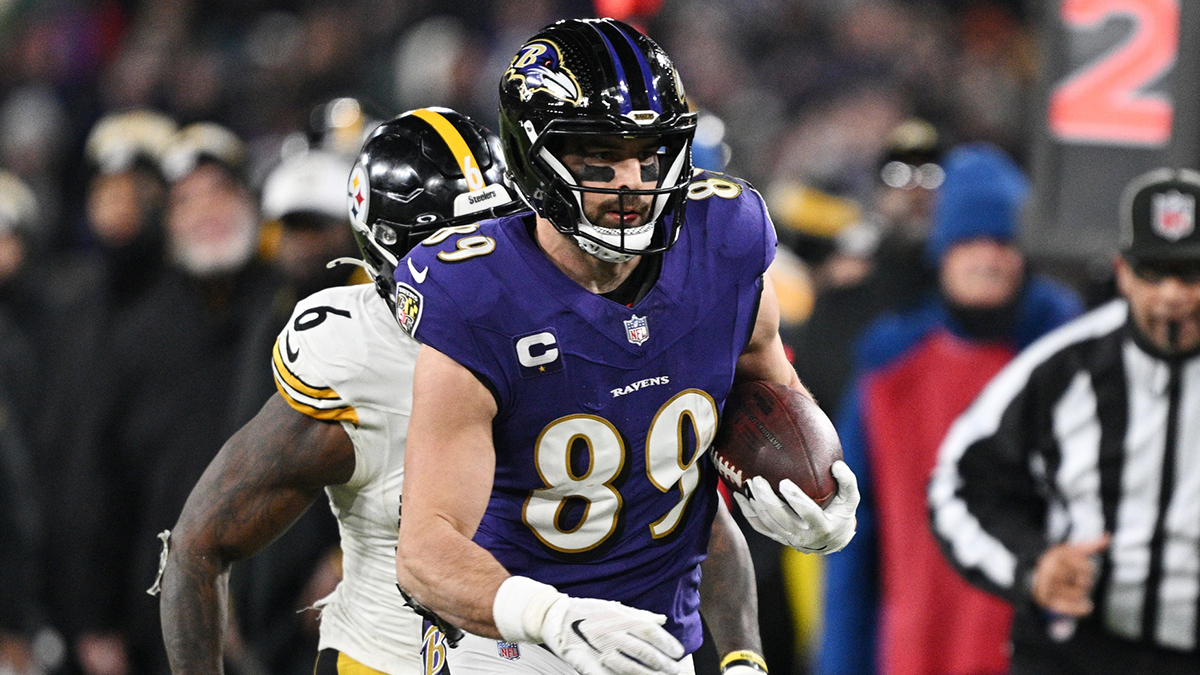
146	264
801	90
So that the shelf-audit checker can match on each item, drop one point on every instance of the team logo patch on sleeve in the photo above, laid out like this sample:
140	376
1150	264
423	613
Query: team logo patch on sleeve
538	353
408	307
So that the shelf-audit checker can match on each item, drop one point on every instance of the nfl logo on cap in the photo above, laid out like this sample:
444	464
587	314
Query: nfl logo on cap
1158	215
1173	214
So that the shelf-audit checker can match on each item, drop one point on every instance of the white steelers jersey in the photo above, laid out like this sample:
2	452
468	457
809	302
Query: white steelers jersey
344	357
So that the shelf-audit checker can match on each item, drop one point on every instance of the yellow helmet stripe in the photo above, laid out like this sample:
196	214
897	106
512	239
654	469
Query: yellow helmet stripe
457	144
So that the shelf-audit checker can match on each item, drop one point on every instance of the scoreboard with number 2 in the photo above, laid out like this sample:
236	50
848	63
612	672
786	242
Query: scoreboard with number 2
1119	94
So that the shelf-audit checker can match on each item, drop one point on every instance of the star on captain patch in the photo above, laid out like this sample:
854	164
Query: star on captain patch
637	329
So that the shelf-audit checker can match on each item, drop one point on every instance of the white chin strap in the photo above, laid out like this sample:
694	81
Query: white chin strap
597	251
636	239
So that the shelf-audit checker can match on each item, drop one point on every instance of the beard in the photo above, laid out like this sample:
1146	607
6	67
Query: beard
620	205
210	258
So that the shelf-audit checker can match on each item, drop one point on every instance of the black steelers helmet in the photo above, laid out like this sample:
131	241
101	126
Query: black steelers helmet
596	77
424	170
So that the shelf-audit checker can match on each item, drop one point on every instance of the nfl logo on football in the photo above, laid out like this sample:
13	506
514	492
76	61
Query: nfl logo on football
1173	215
637	330
508	650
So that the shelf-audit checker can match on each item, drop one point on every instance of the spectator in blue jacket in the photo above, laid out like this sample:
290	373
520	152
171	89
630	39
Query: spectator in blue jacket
893	605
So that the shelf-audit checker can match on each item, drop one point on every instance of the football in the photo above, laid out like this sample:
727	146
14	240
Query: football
776	432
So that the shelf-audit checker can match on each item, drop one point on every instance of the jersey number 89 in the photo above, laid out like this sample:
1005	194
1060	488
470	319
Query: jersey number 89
666	468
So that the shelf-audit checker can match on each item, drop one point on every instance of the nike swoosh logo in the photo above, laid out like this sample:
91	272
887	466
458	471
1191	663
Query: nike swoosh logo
575	629
287	346
419	277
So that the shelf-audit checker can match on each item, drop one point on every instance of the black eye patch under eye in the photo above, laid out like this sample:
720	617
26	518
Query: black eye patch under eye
649	172
597	174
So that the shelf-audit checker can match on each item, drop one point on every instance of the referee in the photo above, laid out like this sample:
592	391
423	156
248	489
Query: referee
1071	486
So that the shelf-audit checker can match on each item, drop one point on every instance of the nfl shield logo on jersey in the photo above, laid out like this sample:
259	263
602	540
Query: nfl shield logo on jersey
508	650
1173	215
637	329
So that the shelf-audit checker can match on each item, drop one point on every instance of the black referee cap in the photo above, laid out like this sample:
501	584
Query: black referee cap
1158	216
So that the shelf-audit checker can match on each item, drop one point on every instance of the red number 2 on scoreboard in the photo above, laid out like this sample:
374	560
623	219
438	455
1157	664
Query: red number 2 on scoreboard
1103	102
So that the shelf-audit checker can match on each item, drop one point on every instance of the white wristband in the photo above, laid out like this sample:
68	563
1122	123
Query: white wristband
520	608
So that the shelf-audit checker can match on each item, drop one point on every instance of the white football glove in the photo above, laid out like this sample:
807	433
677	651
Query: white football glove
804	526
595	637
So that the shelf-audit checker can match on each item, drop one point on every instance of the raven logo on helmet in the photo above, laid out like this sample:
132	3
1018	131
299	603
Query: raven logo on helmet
538	67
627	88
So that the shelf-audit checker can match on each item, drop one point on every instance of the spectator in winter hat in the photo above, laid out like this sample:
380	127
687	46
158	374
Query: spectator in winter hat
916	371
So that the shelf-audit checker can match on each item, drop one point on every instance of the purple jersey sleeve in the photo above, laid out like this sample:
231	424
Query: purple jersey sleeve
441	303
746	230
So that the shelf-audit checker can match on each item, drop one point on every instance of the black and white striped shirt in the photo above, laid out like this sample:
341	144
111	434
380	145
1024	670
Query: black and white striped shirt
1087	431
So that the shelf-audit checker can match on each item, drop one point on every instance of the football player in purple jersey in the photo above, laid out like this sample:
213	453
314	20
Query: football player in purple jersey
574	364
343	370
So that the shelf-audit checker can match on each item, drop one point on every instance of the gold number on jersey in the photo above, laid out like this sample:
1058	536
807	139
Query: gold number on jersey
720	187
543	511
467	248
446	232
597	503
666	466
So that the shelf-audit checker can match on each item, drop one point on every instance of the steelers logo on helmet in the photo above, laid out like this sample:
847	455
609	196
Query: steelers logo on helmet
538	67
627	89
358	197
418	172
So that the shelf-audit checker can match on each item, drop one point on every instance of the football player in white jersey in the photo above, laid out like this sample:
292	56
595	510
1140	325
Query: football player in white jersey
343	369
